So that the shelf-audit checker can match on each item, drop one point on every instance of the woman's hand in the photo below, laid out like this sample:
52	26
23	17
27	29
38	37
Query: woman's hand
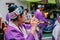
34	23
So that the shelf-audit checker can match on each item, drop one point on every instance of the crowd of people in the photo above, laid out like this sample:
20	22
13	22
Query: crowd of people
24	25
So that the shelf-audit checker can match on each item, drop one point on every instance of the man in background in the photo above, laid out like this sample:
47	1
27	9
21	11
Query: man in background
42	21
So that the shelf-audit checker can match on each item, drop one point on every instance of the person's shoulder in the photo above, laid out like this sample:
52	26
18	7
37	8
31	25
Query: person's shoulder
35	12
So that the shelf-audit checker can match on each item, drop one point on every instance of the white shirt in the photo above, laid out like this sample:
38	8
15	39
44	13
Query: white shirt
56	30
0	15
27	16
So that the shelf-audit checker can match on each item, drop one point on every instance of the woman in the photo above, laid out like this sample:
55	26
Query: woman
42	21
27	16
14	31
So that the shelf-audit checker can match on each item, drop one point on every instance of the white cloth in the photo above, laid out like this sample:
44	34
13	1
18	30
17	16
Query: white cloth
27	16
56	30
0	15
16	12
38	10
13	25
24	31
39	6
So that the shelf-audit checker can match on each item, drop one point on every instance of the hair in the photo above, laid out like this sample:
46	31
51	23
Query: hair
26	10
12	8
9	5
22	7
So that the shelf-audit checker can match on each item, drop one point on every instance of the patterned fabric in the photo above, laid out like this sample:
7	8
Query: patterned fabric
16	12
13	33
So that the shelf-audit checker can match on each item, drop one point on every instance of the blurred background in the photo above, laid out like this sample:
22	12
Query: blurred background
52	7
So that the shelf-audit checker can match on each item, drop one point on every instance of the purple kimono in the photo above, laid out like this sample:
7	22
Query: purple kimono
7	17
14	33
40	17
28	27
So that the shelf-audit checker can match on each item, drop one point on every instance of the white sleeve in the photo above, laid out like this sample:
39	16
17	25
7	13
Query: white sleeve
0	15
55	32
56	22
58	36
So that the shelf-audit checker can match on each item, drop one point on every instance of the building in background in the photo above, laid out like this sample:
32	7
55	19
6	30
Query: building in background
25	3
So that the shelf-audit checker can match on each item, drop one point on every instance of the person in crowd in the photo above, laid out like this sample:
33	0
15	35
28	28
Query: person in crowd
22	7
39	15
0	21
56	30
28	16
33	10
52	16
15	31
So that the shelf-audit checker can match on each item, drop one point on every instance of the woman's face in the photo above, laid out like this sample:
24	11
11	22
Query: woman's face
41	9
25	11
21	19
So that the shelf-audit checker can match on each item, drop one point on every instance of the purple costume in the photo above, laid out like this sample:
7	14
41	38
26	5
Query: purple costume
28	27
7	17
14	34
40	17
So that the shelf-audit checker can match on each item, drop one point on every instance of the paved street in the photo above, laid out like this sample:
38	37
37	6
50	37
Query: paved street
47	38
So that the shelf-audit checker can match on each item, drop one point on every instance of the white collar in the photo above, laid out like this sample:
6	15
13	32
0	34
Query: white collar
38	10
14	26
